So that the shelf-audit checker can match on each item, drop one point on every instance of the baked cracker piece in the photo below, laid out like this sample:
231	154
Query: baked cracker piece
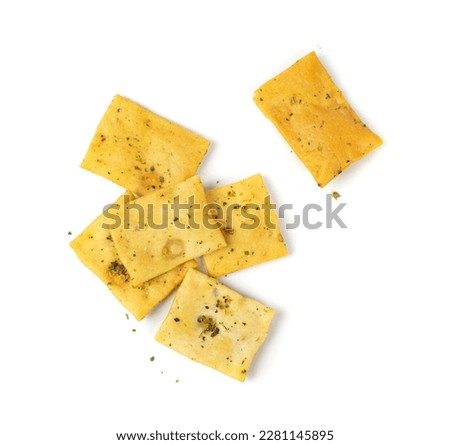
163	229
250	227
142	151
214	325
96	250
314	117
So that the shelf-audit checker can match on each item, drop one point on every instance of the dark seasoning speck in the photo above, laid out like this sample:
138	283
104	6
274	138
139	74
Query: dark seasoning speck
209	326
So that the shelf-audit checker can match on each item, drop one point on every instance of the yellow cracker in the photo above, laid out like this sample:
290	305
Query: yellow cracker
147	250
214	325
95	248
246	246
142	151
315	119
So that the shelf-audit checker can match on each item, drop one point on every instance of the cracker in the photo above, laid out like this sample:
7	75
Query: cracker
153	237
214	325
246	246
313	116
142	151
96	250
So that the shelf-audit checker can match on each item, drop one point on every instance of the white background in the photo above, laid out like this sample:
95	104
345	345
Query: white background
360	344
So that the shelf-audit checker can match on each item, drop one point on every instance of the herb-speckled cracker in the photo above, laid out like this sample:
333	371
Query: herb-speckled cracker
315	119
96	250
246	246
142	151
157	234
214	325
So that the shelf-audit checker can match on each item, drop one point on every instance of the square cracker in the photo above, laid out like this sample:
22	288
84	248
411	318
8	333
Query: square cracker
142	151
96	250
313	116
214	325
163	229
245	246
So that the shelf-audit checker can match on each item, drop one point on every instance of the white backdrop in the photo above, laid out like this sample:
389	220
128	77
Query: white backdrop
360	343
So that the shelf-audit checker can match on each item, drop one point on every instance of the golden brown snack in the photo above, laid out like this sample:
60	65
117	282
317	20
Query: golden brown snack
142	151
313	116
164	229
96	250
214	325
250	227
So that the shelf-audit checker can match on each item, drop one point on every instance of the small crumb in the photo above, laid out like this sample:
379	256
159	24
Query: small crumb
336	195
127	316
133	330
152	358
217	182
69	233
176	319
176	381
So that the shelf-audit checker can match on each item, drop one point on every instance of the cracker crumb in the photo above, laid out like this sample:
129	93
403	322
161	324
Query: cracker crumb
336	195
152	358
